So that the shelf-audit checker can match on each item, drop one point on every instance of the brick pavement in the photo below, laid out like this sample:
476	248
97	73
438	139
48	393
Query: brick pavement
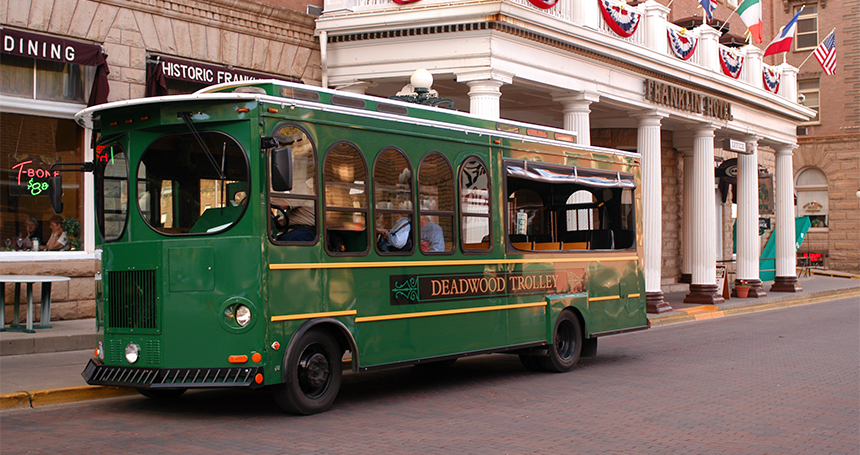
778	382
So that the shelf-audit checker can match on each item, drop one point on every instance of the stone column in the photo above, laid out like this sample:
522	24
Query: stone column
748	246
484	91
786	278
648	145
703	288
686	219
576	109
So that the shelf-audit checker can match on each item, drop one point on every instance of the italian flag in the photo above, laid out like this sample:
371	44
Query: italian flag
750	13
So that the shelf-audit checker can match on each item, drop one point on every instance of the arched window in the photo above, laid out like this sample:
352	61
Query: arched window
345	181
300	202
811	188
436	204
474	206
392	198
581	219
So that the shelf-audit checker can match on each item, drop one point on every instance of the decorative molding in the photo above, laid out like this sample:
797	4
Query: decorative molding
498	23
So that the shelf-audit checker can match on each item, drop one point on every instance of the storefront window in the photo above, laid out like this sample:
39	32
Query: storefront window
29	146
54	81
812	198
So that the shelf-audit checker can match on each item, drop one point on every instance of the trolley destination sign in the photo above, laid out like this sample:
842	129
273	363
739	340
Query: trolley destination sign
412	289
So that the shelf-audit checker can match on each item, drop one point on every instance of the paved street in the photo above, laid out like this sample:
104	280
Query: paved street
777	382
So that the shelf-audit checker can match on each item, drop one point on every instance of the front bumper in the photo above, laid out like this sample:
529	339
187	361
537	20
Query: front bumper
175	378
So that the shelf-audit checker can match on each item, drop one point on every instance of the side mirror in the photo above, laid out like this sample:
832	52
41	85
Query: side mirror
55	193
282	169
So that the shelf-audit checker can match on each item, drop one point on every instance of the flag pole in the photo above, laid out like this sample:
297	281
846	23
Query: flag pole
735	10
816	47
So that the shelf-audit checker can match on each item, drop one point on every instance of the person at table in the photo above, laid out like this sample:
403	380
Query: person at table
58	241
33	233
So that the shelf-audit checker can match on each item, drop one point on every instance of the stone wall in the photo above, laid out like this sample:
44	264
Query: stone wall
247	35
839	158
73	299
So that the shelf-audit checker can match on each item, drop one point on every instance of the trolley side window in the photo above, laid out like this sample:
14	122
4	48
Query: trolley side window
474	206
345	183
555	208
294	211
112	191
436	204
392	199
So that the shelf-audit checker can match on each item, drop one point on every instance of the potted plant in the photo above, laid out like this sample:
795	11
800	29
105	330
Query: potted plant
742	289
72	228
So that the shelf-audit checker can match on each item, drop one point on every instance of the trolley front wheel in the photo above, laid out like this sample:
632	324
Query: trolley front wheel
313	375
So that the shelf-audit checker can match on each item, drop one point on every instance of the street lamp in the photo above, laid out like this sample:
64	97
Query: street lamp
421	81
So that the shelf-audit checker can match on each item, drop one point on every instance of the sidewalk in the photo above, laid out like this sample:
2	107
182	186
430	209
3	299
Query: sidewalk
43	368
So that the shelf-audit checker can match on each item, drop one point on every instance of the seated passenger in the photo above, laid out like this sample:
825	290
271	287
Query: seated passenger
302	225
432	239
397	238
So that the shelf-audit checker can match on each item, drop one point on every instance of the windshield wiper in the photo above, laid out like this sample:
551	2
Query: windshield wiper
186	117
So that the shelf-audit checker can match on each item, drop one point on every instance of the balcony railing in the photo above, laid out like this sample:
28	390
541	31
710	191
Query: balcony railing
651	34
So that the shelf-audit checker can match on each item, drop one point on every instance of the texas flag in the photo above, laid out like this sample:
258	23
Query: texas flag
782	42
750	13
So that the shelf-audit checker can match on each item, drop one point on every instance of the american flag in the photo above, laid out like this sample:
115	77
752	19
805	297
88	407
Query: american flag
825	53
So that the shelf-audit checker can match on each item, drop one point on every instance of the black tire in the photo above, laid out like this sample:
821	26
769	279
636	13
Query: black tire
161	394
531	362
567	344
313	375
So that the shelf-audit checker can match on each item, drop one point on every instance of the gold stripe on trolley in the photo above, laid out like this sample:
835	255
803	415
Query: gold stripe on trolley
634	296
600	299
368	265
389	317
330	314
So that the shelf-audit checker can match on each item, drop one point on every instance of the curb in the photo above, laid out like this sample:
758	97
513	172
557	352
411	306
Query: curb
37	398
704	312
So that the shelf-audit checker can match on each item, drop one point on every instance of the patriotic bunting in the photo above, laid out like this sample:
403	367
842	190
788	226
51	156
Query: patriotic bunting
622	20
544	4
731	63
683	46
771	78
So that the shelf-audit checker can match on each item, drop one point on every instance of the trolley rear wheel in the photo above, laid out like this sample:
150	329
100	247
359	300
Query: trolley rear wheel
567	344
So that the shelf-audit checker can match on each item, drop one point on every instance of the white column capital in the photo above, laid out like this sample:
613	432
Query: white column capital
487	75
650	117
785	149
359	87
575	99
484	93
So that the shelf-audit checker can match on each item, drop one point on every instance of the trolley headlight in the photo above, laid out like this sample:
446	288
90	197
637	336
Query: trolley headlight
243	315
132	352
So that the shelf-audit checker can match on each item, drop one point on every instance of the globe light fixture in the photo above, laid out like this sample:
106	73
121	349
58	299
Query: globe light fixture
421	81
